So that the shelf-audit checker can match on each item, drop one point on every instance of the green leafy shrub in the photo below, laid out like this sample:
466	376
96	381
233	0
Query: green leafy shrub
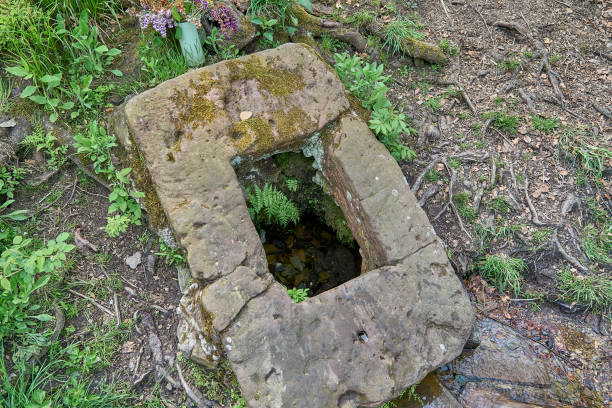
23	272
96	145
298	295
546	125
20	20
593	291
173	256
367	83
56	153
505	122
63	66
503	272
271	206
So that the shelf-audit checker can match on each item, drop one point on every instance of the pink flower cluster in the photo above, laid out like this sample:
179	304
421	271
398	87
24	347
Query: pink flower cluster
161	19
222	15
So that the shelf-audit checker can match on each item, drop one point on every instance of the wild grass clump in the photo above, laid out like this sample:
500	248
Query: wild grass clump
399	31
577	146
503	271
595	291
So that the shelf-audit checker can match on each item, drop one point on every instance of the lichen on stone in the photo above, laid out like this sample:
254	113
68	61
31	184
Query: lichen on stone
313	147
277	81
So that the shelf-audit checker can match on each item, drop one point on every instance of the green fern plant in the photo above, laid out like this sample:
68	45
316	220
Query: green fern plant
271	206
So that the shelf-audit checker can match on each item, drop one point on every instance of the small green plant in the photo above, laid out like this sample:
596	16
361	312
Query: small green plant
367	82
576	146
454	163
510	64
116	225
434	103
432	175
504	121
465	211
554	58
5	93
545	125
499	205
56	153
173	256
528	54
595	291
9	180
160	58
267	26
330	44
448	48
402	30
408	394
96	145
271	206
298	295
292	184
23	272
503	272
541	235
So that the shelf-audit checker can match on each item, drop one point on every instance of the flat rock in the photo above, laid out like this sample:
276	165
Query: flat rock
358	344
134	260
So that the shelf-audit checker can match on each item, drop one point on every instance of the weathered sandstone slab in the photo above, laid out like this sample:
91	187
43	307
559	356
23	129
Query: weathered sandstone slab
358	344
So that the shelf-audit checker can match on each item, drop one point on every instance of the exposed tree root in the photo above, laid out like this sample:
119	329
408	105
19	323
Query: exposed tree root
603	110
569	258
194	394
319	26
427	194
527	99
419	180
552	76
534	213
451	202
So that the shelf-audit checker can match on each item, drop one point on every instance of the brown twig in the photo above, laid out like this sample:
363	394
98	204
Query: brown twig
117	311
485	127
85	170
493	172
76	181
92	301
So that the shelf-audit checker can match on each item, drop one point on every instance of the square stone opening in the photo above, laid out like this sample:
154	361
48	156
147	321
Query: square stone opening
355	345
317	252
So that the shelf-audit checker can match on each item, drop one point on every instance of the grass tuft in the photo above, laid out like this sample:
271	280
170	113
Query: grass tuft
503	271
593	291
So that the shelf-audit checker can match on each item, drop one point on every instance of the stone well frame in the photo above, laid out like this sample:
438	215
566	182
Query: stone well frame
358	344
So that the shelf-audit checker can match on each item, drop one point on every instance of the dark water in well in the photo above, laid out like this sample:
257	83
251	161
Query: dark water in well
309	255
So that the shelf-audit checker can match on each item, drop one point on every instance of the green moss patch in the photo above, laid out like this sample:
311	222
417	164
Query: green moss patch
277	81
